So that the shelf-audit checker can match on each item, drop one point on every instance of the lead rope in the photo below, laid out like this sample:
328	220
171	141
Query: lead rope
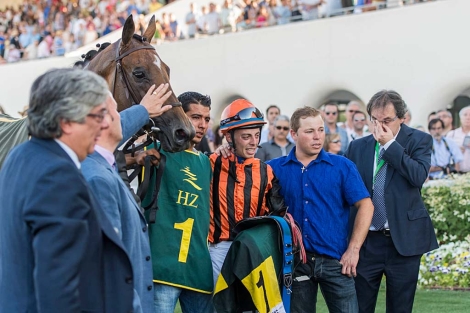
297	237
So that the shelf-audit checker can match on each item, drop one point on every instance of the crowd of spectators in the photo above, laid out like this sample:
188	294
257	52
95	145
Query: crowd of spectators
43	28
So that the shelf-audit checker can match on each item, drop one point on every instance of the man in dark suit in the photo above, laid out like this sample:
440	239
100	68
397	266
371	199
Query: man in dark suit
59	251
393	163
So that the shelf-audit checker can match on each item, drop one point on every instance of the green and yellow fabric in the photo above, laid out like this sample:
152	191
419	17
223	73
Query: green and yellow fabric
249	277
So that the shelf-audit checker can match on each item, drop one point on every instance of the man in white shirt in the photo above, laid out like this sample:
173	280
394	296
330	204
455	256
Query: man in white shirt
461	136
212	20
191	20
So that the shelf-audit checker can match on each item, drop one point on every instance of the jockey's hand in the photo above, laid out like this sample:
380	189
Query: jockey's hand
153	153
349	262
155	98
225	150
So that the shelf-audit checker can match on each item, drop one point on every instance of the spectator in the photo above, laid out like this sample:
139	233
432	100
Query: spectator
175	30
331	113
191	19
309	9
219	138
263	17
212	20
279	145
201	21
31	52
283	12
2	43
446	117
433	115
271	113
348	125
59	46
408	117
446	155
44	47
461	136
229	15
333	144
14	54
359	122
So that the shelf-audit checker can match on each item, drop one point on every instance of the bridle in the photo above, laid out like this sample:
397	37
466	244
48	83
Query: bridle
120	72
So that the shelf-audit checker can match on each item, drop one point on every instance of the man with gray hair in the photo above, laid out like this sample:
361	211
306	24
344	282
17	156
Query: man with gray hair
59	251
279	145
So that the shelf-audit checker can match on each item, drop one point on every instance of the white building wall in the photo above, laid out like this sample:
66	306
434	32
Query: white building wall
421	51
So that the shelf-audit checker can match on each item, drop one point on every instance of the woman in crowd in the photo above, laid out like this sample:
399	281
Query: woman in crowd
332	144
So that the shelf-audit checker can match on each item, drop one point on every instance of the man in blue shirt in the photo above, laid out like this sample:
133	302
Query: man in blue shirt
319	189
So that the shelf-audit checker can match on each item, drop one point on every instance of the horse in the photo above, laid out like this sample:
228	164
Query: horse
130	66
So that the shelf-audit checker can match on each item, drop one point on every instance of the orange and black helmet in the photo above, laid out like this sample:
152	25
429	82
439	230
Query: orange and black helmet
240	114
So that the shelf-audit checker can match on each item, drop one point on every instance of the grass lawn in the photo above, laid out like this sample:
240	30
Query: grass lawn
426	301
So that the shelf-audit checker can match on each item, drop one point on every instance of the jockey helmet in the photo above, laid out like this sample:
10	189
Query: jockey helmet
240	114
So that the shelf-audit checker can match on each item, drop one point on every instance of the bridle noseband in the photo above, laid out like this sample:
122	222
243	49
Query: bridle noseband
119	70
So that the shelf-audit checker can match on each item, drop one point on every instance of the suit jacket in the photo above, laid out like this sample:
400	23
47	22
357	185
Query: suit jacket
59	253
127	220
409	160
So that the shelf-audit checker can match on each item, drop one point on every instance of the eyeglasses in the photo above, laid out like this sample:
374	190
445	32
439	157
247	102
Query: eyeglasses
385	121
360	120
352	111
283	128
332	113
243	115
336	141
98	117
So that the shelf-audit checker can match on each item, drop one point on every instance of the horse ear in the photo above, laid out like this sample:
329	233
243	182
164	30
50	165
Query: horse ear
128	30
151	28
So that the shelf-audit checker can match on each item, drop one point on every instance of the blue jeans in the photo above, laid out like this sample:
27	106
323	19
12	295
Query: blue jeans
165	298
337	289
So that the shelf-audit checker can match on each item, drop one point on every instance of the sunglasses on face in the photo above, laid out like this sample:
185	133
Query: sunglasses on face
360	120
352	111
283	128
332	113
243	115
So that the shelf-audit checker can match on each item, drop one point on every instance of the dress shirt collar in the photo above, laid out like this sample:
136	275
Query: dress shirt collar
70	152
322	156
107	155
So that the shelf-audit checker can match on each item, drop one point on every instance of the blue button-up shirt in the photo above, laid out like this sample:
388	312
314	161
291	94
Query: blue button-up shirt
319	197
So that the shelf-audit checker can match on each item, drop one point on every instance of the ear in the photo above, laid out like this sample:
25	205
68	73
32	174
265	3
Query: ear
151	28
228	137
128	30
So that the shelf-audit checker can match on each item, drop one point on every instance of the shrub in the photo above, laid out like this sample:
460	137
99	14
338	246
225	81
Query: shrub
448	203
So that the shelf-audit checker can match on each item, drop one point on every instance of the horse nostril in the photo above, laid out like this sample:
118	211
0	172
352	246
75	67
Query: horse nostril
181	135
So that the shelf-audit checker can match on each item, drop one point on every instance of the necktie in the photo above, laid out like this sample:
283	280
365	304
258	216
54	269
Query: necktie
378	195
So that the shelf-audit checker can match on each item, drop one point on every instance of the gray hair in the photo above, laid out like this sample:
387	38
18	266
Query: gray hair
463	110
281	118
63	95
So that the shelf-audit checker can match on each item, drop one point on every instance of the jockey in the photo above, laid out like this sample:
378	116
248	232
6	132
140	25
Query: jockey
242	185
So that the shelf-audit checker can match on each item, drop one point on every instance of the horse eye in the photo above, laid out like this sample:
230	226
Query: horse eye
138	74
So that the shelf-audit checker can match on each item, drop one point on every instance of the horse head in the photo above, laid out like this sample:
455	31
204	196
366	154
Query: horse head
130	66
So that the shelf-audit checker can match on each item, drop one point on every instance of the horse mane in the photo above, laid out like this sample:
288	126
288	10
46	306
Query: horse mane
90	55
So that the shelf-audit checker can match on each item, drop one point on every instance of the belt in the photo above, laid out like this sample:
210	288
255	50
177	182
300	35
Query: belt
385	232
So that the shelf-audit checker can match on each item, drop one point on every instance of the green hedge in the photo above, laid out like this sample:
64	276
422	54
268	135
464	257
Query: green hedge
448	203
